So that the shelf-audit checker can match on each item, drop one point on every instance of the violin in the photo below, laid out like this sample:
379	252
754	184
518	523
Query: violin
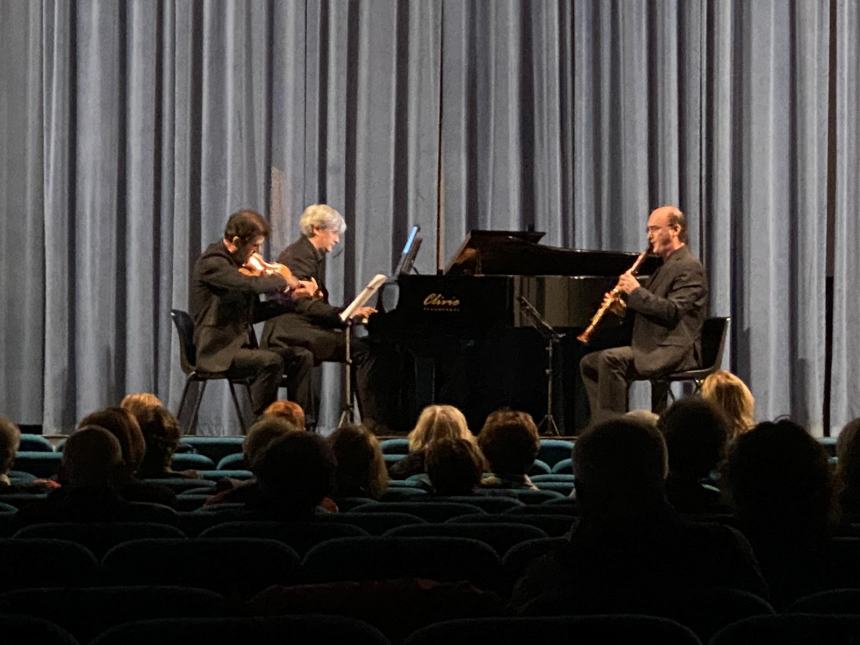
256	266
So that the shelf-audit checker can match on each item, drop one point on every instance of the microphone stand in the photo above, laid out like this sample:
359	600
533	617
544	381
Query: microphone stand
548	424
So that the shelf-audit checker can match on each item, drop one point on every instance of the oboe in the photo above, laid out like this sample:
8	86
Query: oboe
615	294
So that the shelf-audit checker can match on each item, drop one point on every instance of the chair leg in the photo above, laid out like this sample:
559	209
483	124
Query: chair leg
183	398
192	426
236	406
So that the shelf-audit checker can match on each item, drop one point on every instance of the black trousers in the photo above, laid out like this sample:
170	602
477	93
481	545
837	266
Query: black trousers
607	375
373	371
266	368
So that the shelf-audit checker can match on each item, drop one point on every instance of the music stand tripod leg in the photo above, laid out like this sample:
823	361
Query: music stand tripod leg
347	415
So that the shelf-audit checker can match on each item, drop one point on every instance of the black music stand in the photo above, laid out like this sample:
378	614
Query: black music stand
548	424
347	412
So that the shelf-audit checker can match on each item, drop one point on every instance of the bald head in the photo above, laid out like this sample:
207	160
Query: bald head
667	230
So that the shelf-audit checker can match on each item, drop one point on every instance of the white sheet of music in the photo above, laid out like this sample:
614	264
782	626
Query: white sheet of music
362	298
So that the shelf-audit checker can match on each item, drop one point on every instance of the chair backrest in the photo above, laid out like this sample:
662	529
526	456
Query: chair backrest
380	558
99	537
29	629
300	536
260	630
714	332
240	566
185	329
88	611
35	443
501	537
40	562
583	630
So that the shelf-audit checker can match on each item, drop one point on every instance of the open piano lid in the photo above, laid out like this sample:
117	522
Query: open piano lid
518	253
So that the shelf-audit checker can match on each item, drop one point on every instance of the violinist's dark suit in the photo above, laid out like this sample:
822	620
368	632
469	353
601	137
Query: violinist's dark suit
224	304
669	312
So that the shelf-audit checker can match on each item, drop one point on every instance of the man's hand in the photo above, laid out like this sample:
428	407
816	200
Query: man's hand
627	283
304	289
616	305
363	313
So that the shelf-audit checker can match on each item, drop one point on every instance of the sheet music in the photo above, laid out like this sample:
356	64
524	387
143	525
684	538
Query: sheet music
362	298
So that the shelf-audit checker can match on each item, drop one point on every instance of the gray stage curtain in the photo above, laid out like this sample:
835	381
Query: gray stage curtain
845	374
130	130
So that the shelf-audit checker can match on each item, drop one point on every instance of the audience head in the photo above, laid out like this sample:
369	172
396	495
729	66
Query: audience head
161	435
10	439
295	472
438	422
696	436
122	424
454	466
642	415
620	467
361	470
509	441
288	410
266	429
92	457
731	395
138	402
779	480
848	456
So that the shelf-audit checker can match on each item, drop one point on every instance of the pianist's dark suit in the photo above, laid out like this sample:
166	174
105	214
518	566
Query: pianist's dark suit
669	312
224	303
316	325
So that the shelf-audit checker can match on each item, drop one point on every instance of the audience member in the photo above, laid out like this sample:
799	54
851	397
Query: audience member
630	545
731	395
435	422
92	457
264	431
161	435
642	415
696	437
848	471
295	474
453	466
509	442
10	441
138	402
361	470
289	410
780	485
122	424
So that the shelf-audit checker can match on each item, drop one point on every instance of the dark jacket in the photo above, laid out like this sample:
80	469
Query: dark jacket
224	303
670	311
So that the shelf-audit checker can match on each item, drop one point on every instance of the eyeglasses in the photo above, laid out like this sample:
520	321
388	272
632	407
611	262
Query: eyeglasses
654	229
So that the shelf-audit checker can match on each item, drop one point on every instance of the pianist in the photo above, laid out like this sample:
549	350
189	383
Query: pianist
668	314
316	325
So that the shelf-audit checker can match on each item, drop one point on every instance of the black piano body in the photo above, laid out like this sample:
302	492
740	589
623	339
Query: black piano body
471	342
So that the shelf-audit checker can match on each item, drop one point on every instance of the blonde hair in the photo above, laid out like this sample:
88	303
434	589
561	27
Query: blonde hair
321	216
289	410
731	395
439	422
139	402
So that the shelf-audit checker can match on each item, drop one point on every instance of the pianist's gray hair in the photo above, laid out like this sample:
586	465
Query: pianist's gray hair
321	216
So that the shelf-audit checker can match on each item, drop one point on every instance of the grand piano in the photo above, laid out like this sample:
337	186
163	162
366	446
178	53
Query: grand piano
471	340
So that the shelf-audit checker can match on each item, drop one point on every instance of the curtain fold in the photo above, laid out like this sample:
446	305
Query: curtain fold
130	130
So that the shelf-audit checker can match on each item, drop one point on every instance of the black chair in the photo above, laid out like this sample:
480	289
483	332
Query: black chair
99	537
188	360
23	630
501	537
714	332
582	630
268	630
86	612
36	562
790	629
235	567
445	559
301	536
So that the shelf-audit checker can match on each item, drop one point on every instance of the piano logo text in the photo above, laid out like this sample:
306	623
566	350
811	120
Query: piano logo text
440	302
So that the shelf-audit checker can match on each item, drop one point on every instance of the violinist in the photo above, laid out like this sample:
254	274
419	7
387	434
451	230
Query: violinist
226	284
